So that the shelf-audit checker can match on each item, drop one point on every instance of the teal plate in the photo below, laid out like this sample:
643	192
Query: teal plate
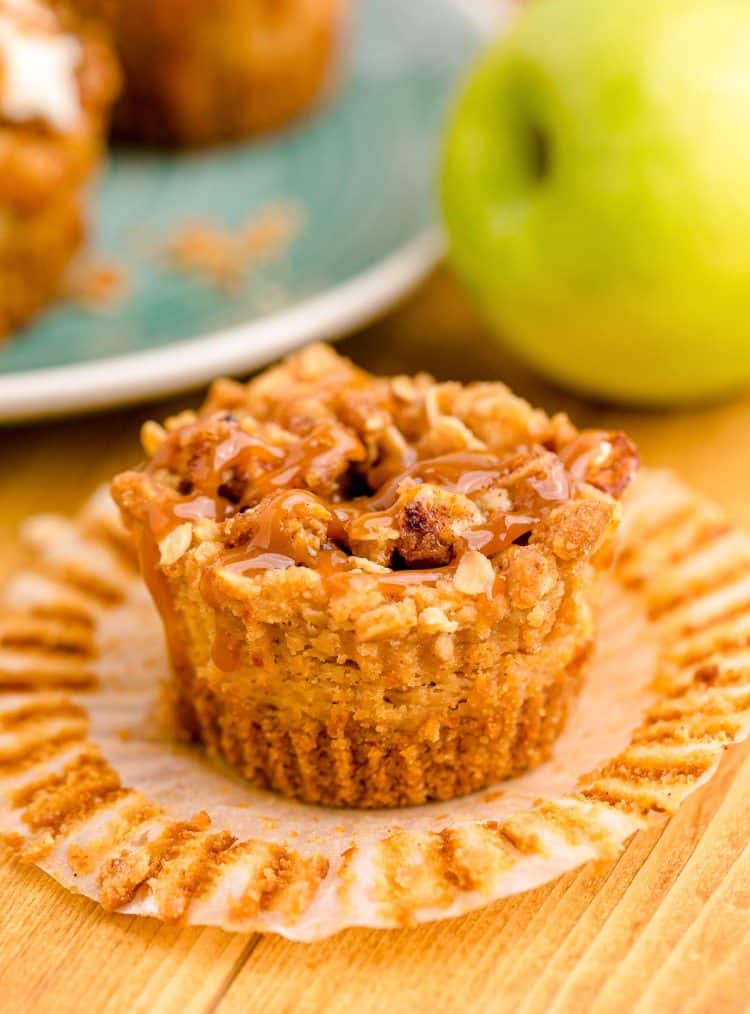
362	171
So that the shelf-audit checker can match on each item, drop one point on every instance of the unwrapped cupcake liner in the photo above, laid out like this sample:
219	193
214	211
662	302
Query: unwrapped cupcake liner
95	791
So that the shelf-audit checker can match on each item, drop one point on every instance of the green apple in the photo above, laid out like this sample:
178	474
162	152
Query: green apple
596	192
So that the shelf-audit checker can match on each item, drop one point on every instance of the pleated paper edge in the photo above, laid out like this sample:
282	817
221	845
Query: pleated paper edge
63	806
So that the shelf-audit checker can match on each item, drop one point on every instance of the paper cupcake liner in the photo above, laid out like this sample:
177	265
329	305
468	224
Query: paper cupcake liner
94	792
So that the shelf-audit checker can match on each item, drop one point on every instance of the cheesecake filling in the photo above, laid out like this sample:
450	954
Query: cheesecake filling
38	68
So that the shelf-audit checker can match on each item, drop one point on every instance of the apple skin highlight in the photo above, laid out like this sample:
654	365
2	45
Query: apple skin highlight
596	194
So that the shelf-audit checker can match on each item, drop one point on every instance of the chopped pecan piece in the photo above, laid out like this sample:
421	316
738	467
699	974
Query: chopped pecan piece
605	460
431	523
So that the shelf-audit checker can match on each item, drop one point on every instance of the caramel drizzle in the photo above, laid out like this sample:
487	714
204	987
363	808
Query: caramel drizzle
274	487
246	472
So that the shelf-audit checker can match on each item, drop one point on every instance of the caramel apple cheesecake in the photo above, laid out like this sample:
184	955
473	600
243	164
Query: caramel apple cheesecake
57	81
203	71
375	591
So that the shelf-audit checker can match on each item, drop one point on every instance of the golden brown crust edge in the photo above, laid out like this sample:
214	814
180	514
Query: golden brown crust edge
346	762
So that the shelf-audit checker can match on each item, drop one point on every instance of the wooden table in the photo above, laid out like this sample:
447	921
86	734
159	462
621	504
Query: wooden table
666	928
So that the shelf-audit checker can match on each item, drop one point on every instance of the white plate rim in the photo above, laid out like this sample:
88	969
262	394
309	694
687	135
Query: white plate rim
182	365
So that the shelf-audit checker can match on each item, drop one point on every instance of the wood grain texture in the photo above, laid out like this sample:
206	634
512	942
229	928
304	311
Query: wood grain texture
664	929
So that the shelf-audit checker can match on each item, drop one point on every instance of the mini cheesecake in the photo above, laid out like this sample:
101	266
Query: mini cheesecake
199	72
375	591
57	82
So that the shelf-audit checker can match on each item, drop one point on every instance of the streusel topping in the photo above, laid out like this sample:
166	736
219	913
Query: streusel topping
319	464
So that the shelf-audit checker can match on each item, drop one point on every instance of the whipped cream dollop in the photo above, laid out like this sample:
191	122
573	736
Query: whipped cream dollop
37	67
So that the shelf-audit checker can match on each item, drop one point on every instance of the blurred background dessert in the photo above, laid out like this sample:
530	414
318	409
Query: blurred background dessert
58	78
203	71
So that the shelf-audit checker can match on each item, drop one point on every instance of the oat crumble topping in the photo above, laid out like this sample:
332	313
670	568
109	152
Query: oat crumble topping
317	463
